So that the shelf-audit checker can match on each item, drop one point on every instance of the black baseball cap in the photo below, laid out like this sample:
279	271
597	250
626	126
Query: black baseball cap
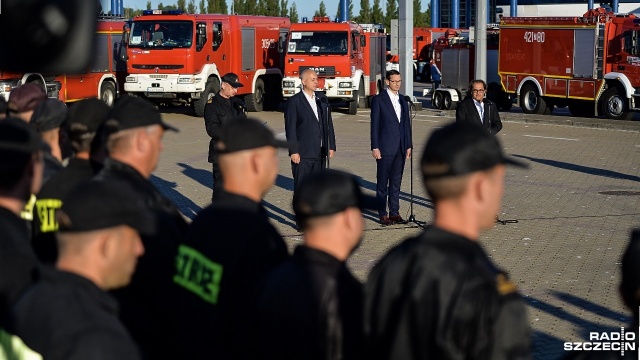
89	112
48	115
329	192
99	205
462	148
16	135
232	79
245	134
631	270
132	112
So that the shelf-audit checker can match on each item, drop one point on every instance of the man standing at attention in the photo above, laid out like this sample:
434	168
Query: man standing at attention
438	295
220	110
476	109
390	145
309	129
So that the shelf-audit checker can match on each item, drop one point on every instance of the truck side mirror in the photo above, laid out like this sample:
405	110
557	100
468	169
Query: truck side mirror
363	41
217	35
201	35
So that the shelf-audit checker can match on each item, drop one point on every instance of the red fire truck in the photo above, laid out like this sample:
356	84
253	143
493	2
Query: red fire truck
424	40
178	58
103	79
455	56
348	58
589	63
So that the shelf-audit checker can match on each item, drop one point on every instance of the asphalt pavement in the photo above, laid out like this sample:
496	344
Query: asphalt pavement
570	215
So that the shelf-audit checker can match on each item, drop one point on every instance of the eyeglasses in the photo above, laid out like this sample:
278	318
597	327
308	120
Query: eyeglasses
477	90
395	81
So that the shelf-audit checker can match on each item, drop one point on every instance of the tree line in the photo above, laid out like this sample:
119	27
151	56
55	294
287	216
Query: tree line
369	14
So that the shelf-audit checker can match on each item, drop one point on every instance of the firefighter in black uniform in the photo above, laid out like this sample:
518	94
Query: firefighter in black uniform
229	249
438	295
311	306
21	168
220	110
68	314
134	151
83	119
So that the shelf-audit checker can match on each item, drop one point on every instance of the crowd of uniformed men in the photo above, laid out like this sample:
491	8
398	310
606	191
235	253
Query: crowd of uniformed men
96	263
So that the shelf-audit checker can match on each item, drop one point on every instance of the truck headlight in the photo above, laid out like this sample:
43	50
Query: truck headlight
131	79
345	85
288	84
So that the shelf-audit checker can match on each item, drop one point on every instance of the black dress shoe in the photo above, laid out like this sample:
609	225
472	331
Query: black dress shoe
397	219
385	221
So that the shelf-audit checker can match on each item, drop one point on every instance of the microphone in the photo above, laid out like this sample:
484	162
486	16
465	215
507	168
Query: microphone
238	104
324	100
408	99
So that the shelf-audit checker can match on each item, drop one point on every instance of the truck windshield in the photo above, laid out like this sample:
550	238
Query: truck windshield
161	34
318	42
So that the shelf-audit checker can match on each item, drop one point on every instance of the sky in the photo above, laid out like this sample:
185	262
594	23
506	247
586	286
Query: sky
304	7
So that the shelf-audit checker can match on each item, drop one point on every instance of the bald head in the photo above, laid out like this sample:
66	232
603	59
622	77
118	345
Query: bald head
309	81
250	172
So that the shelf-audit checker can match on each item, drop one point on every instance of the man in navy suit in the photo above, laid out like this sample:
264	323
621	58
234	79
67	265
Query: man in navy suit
476	109
309	129
391	145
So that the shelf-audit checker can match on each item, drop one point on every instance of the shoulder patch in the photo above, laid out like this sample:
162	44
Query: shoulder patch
504	285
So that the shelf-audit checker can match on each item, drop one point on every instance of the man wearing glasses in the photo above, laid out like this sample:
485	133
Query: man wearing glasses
476	109
390	146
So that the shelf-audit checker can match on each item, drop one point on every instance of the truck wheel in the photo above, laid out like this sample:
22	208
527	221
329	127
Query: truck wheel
447	103
436	103
108	93
255	101
211	88
614	105
354	103
362	101
532	103
581	108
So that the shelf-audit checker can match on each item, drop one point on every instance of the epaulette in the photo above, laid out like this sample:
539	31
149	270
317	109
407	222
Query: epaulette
504	285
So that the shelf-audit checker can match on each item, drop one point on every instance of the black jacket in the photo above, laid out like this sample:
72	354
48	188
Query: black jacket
217	112
67	317
311	308
438	296
468	112
49	199
143	302
230	248
304	132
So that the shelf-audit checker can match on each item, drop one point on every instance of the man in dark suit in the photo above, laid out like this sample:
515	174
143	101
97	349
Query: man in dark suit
476	109
309	129
391	145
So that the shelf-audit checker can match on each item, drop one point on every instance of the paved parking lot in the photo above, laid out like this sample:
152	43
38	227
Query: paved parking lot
574	208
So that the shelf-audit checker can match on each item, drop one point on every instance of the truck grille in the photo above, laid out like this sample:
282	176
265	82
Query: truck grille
320	70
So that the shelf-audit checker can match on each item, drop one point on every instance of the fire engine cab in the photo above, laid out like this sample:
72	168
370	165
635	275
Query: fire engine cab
589	63
348	59
424	40
177	58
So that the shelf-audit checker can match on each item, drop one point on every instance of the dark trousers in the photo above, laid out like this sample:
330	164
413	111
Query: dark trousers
305	167
388	181
217	180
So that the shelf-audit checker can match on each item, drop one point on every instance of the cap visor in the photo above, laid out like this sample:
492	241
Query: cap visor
169	127
511	161
280	144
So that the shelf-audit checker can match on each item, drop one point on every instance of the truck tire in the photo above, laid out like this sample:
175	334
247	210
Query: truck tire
211	88
354	103
614	105
362	101
532	103
255	101
447	103
108	93
581	108
437	101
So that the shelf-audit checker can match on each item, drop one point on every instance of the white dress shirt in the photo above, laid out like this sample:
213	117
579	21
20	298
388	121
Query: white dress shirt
395	101
312	102
480	108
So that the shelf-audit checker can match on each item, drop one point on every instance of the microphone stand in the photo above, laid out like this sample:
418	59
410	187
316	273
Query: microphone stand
412	216
325	128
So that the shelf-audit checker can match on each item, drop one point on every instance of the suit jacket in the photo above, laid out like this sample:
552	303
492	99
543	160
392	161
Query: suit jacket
387	134
467	112
217	112
304	132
